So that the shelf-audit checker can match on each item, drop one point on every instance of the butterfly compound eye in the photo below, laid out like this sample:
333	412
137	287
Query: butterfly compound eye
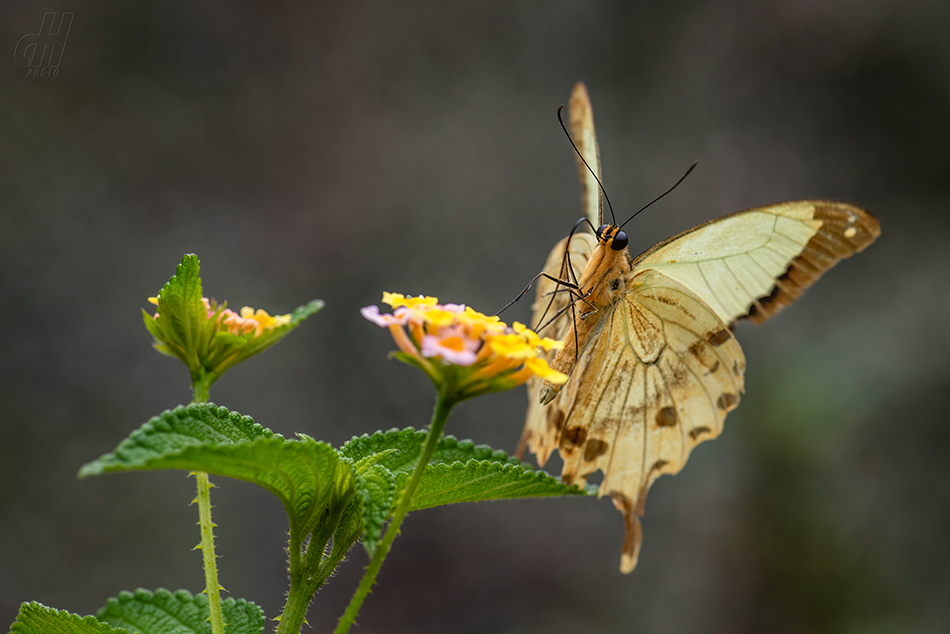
619	242
601	231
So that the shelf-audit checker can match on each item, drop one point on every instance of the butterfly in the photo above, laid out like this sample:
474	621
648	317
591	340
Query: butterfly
649	348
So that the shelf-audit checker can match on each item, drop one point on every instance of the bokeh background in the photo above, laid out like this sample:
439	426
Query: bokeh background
336	150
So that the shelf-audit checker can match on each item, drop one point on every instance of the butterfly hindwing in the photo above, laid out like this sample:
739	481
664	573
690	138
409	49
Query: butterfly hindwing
656	377
552	304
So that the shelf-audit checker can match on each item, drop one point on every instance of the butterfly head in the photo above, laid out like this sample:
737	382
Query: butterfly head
612	236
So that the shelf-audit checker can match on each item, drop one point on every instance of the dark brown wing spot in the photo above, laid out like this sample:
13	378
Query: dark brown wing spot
696	432
594	449
659	464
555	419
727	400
713	369
697	348
575	435
719	337
666	417
736	370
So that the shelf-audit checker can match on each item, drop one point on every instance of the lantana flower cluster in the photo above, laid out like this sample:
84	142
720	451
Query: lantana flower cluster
464	352
212	338
247	321
207	336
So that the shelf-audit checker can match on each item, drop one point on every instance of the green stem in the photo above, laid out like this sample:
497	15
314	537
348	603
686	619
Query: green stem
440	415
298	597
206	526
306	577
212	589
200	386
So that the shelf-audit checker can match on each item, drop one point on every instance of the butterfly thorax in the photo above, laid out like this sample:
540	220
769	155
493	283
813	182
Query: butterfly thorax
604	280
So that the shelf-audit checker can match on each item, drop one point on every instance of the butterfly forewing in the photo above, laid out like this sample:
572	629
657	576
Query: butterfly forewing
753	263
585	138
657	377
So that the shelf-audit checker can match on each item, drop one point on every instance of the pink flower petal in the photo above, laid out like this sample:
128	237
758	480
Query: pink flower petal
383	320
434	346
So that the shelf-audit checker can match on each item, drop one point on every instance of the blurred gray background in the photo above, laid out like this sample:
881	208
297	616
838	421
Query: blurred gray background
337	150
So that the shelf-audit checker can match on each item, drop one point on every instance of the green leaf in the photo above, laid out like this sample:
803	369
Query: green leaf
172	431
163	612
36	618
403	447
480	481
347	530
182	313
297	317
307	476
460	471
155	329
377	486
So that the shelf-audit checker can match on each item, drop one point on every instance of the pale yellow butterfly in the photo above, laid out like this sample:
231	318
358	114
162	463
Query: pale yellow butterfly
654	366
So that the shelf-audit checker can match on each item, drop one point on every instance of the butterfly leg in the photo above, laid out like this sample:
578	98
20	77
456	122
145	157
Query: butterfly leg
531	283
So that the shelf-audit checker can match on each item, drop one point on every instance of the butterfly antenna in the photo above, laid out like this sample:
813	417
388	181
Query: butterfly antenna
682	178
592	172
567	251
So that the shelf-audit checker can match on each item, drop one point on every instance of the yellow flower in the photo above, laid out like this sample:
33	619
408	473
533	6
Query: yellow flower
397	299
463	351
251	321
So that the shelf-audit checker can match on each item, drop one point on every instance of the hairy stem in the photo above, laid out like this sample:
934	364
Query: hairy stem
212	589
206	526
308	571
